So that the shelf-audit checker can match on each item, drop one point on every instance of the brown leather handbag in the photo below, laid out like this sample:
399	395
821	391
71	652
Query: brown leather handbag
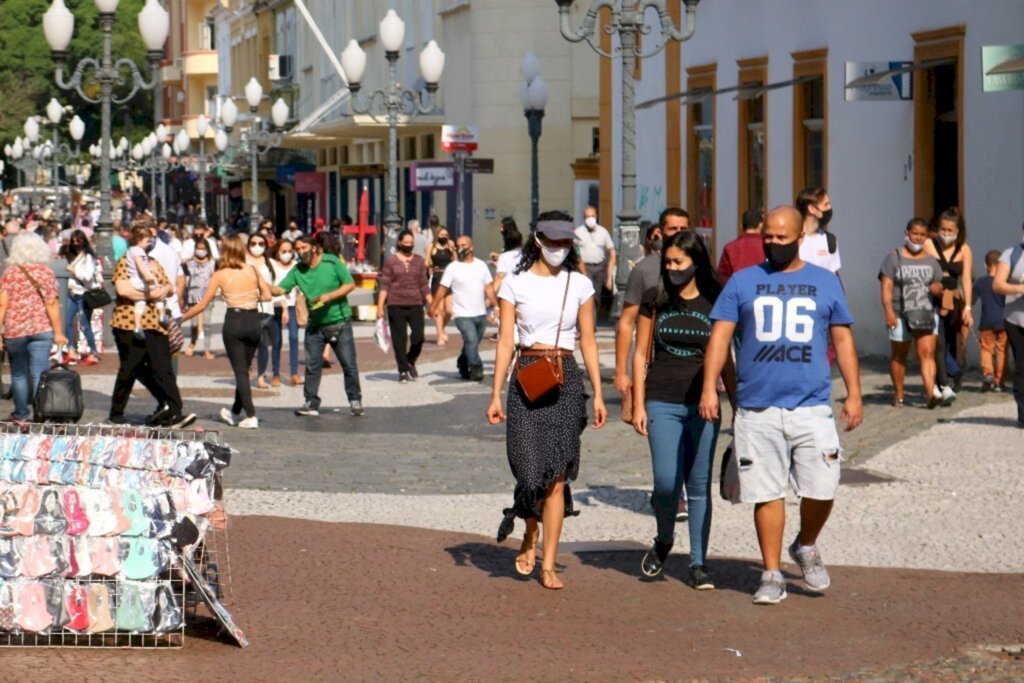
544	375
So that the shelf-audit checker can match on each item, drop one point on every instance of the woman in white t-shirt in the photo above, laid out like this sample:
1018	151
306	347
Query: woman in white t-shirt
546	299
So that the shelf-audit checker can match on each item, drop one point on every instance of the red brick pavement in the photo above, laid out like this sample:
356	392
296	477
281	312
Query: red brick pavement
354	602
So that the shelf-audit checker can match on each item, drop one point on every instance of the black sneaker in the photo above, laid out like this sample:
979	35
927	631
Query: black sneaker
413	372
403	377
113	419
307	410
988	382
654	560
161	413
699	579
180	421
357	408
477	374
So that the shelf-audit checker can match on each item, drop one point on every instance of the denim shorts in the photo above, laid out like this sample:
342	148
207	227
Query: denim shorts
902	331
773	445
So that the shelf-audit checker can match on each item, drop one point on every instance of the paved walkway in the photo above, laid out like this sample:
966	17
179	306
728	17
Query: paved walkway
351	536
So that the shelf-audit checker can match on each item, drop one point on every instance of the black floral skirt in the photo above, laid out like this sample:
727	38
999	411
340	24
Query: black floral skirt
543	443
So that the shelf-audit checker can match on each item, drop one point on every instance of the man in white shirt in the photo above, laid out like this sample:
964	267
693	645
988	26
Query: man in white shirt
819	246
597	251
292	233
472	287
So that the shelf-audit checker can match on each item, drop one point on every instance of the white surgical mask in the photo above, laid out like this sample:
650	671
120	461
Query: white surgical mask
913	247
285	257
257	250
554	257
202	253
947	239
590	222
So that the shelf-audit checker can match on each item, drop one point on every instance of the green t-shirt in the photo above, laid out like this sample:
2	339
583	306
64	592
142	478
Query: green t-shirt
329	275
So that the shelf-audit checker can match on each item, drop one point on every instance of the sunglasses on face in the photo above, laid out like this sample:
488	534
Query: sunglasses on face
257	244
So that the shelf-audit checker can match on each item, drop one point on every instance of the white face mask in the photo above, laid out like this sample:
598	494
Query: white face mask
913	247
590	222
202	253
947	239
554	257
256	251
285	257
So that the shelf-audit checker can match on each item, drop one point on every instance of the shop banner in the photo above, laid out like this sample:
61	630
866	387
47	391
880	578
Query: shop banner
310	182
426	177
889	87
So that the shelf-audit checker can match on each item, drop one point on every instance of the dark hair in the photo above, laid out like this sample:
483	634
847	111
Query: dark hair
79	236
672	211
992	257
404	233
531	250
512	238
648	229
953	214
808	197
917	222
707	282
328	242
752	218
205	244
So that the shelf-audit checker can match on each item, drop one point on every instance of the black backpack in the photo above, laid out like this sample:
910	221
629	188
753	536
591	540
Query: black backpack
59	396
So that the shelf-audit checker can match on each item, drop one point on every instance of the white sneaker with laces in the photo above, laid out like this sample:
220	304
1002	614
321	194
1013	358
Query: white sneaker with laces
249	423
228	416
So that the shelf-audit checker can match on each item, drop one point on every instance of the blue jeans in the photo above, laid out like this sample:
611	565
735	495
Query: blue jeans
472	331
76	305
30	356
682	451
277	338
340	338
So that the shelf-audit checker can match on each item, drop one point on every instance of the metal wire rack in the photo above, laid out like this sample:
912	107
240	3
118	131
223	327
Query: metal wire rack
26	621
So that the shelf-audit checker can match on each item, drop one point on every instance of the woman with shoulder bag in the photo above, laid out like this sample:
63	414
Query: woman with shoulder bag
910	281
82	266
955	256
243	289
546	299
29	316
256	256
677	327
200	267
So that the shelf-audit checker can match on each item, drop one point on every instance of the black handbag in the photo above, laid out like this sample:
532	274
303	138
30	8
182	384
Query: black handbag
97	298
59	396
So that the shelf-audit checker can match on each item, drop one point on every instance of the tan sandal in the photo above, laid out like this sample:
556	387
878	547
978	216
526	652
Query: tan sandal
190	350
550	580
524	567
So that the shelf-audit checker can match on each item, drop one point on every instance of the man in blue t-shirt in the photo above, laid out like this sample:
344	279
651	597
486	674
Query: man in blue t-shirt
784	312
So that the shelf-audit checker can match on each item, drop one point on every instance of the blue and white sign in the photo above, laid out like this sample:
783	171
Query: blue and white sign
874	81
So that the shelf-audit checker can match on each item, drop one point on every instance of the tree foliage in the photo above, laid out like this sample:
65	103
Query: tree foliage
27	80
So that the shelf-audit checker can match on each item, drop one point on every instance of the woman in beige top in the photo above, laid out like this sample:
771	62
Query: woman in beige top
243	288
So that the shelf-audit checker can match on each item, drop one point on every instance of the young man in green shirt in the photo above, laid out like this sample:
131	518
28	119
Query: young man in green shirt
326	283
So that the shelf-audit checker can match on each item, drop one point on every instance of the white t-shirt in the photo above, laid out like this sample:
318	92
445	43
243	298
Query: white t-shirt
188	249
168	259
814	250
593	246
467	281
1013	311
538	302
508	261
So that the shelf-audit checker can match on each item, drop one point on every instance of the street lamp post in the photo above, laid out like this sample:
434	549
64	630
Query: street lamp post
394	100
255	140
204	161
156	162
61	154
533	95
59	26
627	21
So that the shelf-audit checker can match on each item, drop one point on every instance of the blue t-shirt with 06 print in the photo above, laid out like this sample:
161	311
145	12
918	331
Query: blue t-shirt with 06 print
783	322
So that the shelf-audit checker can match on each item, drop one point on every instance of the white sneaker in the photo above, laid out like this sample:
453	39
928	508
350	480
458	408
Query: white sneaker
948	396
249	423
228	416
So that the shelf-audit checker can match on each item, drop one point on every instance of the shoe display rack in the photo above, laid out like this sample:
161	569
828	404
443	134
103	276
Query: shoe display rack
110	536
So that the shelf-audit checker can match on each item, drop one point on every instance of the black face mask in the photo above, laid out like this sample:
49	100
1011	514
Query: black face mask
781	255
681	278
826	216
306	257
464	254
405	248
442	241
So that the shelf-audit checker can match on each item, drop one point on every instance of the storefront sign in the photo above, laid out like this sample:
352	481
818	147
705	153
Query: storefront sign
473	165
888	86
459	138
426	177
363	171
994	55
310	182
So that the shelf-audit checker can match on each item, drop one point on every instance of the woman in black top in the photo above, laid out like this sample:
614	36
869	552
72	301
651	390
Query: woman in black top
955	256
676	327
439	256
